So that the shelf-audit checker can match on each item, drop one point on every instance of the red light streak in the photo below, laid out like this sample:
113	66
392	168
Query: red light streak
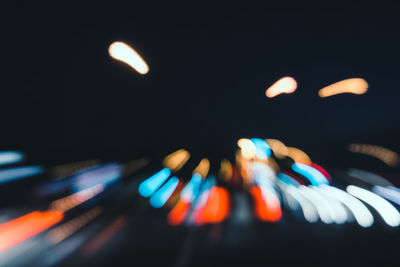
265	210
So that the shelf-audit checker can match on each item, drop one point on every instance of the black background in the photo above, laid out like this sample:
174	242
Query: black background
210	65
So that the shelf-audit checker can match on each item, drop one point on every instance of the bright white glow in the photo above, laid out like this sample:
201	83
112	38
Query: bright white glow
360	212
9	157
123	52
340	214
389	214
309	210
247	148
285	85
324	211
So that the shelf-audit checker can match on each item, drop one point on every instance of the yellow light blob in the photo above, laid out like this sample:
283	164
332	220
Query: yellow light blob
247	148
225	170
280	149
356	86
386	155
298	155
285	85
176	160
123	52
202	168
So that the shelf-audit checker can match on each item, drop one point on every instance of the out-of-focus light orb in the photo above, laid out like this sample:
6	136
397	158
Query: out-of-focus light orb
176	160
123	52
280	150
247	148
203	168
285	85
356	86
387	156
298	155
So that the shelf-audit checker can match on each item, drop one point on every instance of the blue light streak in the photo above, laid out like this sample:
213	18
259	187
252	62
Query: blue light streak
286	179
151	184
163	194
314	176
11	174
191	190
10	157
263	151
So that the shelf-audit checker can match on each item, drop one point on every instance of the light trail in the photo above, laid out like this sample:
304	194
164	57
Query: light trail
151	184
123	52
160	197
356	86
27	226
285	85
8	175
360	212
388	213
10	157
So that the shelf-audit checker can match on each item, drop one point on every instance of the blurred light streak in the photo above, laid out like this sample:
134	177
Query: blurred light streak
201	198
360	212
386	155
287	179
263	151
27	226
63	231
314	176
160	197
151	184
104	236
106	175
339	213
176	160
178	213
298	155
323	209
65	170
16	173
388	213
356	86
133	166
321	170
190	191
71	201
203	168
285	85
391	193
266	205
309	210
247	148
280	150
123	52
217	207
10	157
369	177
225	170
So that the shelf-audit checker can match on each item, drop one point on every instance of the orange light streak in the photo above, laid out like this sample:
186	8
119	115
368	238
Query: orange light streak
27	226
71	201
178	214
61	232
356	86
216	209
104	236
267	209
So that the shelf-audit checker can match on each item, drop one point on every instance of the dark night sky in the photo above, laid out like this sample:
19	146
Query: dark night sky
209	68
